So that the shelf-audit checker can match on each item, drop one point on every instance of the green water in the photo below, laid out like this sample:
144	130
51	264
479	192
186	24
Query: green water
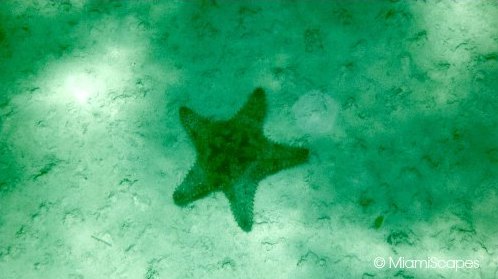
396	102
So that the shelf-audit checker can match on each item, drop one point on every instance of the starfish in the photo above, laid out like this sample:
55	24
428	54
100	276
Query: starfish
233	156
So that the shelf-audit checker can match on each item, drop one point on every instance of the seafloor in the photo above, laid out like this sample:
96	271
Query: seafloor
397	102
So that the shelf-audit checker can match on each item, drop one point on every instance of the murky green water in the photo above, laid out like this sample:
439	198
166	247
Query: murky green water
395	102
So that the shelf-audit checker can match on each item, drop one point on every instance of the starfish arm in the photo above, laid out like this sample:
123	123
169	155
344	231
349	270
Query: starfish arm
193	122
253	113
279	157
241	197
193	187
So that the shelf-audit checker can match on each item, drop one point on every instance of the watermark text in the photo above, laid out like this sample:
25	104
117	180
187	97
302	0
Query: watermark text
425	263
